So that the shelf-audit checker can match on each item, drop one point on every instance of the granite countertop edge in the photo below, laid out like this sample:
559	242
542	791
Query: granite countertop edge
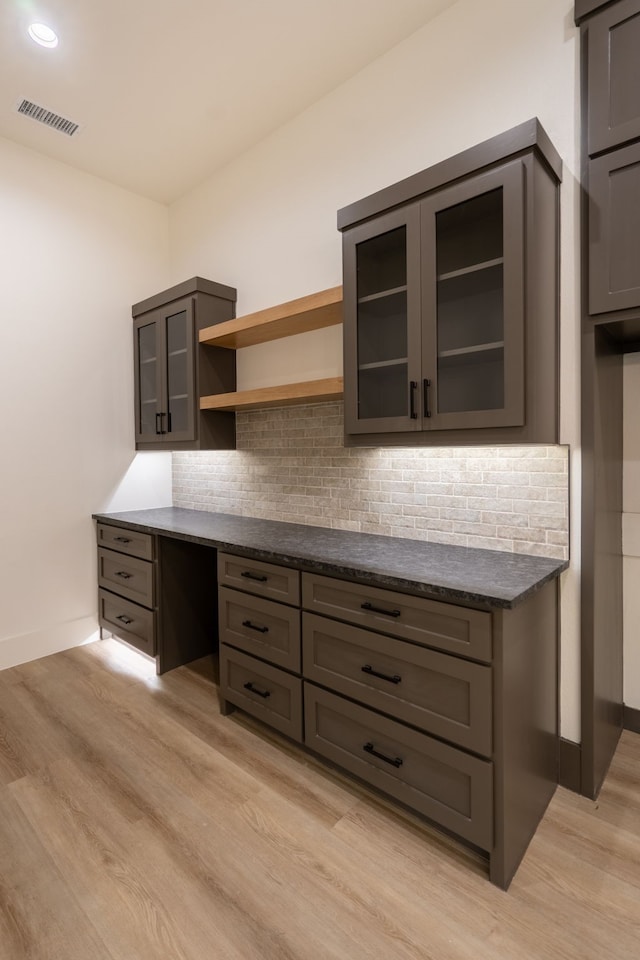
472	575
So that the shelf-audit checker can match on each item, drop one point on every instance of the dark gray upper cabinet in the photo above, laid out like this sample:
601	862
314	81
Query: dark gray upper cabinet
451	300
173	370
610	34
614	76
614	230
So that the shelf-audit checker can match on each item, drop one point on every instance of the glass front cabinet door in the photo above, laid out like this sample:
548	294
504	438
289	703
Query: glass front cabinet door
473	302
434	310
382	333
165	374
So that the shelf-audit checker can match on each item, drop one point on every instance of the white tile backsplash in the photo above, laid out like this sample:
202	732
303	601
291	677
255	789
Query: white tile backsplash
290	464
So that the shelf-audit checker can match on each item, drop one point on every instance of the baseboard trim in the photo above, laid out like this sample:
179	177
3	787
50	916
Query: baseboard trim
631	719
60	636
570	772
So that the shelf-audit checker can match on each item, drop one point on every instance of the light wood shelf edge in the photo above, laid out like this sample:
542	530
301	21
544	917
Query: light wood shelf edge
278	396
318	310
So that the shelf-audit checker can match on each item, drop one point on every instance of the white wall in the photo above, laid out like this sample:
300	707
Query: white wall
76	253
631	530
267	222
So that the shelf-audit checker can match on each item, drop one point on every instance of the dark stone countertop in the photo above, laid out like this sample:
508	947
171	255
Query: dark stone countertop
486	578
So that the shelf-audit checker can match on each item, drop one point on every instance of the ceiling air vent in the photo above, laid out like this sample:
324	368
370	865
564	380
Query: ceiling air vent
48	117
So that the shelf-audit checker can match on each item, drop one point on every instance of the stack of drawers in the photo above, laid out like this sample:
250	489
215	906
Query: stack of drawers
394	688
259	621
126	585
384	678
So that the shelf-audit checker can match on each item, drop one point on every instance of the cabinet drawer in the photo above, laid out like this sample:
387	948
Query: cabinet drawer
126	576
132	542
261	627
434	691
451	787
264	579
428	622
127	620
263	691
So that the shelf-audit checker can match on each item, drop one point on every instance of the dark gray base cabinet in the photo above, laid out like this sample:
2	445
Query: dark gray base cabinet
154	593
448	709
451	300
127	573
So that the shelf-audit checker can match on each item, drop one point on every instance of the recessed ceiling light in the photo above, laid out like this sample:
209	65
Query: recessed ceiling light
43	35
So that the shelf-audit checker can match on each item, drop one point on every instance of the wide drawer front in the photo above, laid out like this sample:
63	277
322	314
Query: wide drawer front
264	579
261	627
125	541
263	691
447	785
127	576
127	620
429	622
434	691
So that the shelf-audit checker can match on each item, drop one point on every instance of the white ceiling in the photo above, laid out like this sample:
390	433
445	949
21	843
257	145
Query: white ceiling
167	91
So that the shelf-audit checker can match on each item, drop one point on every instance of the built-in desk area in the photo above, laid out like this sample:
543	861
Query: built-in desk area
427	671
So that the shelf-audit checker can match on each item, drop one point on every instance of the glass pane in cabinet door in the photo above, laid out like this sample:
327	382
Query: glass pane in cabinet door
177	372
470	305
148	378
383	386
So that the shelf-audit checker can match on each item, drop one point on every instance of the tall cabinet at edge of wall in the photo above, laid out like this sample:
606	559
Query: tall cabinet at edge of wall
451	299
611	35
173	370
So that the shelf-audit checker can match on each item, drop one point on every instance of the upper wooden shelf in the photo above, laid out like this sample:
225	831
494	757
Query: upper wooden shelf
318	310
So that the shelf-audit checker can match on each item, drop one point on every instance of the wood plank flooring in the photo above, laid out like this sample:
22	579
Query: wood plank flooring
136	823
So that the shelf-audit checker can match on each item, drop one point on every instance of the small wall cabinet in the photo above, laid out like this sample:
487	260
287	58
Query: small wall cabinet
173	369
450	300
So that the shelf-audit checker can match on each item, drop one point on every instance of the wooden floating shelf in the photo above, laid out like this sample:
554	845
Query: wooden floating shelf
313	312
312	391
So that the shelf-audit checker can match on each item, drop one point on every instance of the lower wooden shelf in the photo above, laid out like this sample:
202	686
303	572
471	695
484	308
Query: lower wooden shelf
278	396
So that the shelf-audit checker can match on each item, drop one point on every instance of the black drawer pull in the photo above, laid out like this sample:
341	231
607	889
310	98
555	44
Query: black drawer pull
123	574
254	576
370	607
382	676
261	693
124	619
121	540
254	626
394	761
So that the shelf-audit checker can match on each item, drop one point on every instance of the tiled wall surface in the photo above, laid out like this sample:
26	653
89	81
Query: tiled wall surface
291	465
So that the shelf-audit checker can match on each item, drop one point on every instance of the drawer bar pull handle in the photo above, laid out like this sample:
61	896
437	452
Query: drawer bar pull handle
370	607
123	574
393	761
124	619
382	676
254	626
122	540
261	693
254	576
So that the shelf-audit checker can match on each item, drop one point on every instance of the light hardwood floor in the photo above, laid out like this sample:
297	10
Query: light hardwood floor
136	823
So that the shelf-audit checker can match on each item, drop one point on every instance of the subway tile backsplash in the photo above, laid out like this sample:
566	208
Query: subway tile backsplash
290	464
